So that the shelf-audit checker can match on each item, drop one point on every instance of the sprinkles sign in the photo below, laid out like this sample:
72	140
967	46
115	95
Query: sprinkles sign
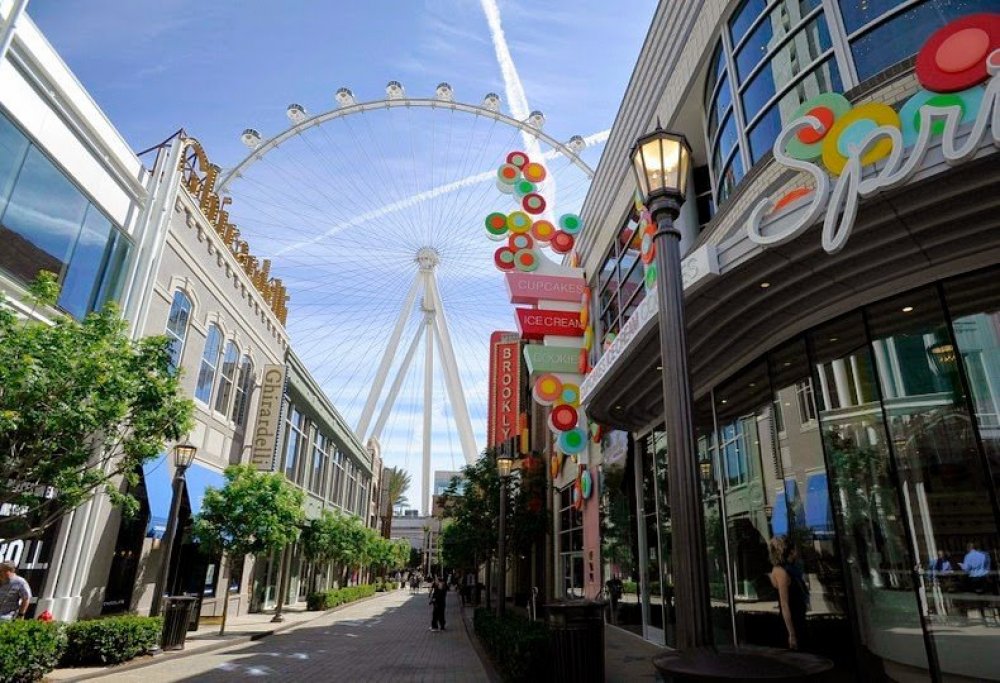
959	69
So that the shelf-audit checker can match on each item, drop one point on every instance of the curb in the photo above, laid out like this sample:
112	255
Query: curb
484	658
222	645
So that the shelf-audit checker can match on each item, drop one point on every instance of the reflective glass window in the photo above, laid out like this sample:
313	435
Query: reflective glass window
783	19
42	219
82	280
858	13
719	108
226	378
177	326
13	147
728	137
731	176
903	35
716	68
209	364
244	386
743	18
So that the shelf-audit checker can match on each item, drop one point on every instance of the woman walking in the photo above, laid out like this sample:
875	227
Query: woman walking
439	594
793	596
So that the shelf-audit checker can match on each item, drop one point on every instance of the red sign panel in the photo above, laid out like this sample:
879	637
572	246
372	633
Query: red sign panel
503	418
535	323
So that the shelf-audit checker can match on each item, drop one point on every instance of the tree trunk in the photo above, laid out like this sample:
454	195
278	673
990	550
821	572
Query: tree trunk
225	597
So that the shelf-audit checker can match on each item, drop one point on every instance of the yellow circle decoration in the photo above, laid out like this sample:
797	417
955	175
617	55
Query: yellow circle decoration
851	128
518	222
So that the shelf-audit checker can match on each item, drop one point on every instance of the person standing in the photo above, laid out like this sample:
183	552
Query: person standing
439	595
15	593
793	596
976	565
615	588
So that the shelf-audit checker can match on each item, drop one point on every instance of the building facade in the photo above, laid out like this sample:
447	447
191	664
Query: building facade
842	322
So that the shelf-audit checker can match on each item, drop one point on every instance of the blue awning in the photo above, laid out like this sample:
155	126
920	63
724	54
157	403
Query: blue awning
158	477
779	518
819	517
199	478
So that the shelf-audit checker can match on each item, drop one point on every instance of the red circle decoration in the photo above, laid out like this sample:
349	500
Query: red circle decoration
810	135
648	246
954	58
508	173
520	241
561	242
583	362
519	159
503	258
563	418
533	203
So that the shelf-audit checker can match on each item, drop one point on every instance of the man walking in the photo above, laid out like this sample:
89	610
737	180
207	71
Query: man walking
439	593
15	594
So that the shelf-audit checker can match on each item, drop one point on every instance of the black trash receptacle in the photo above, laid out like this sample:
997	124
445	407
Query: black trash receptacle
576	636
176	616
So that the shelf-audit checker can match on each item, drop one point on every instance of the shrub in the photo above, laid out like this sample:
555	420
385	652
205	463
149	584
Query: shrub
520	648
111	640
324	600
29	649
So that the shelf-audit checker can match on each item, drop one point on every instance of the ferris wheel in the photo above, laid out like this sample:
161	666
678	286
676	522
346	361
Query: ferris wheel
372	212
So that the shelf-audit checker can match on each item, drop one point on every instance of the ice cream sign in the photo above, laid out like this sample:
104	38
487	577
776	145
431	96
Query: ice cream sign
838	144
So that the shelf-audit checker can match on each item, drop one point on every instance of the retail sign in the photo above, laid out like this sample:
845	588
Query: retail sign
265	432
531	288
870	148
562	359
503	418
535	323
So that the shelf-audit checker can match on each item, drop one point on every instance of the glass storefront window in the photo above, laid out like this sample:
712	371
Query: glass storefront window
209	364
177	326
226	378
744	17
570	546
780	22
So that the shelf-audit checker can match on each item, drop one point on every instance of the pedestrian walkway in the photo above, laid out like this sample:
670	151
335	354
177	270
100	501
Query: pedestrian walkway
384	639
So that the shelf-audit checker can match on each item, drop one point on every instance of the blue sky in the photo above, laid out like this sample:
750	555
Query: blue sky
215	68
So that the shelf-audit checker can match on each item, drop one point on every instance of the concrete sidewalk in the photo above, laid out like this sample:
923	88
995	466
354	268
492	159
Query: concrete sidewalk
241	629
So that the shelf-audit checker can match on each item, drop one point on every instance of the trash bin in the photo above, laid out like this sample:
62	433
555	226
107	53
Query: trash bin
576	637
176	617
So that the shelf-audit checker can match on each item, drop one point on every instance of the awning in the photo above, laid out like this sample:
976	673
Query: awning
158	475
199	478
819	517
779	518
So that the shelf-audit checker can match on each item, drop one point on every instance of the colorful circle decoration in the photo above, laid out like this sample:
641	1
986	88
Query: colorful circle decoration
650	276
596	432
555	464
570	395
586	484
954	58
647	248
508	174
583	362
851	128
503	258
496	225
534	172
526	260
588	338
519	159
505	187
561	242
563	418
807	144
533	203
547	389
523	188
520	241
577	495
967	101
570	223
572	441
543	230
518	222
584	316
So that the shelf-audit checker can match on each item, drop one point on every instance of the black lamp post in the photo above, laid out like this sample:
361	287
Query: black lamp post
505	463
661	162
183	457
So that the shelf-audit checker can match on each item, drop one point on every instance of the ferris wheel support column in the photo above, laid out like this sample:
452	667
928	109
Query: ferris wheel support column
428	406
397	383
453	381
386	362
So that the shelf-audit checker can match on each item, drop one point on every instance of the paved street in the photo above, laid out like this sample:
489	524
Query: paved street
385	639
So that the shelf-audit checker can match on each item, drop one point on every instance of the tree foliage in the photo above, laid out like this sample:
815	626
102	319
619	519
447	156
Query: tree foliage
345	541
80	405
253	514
397	483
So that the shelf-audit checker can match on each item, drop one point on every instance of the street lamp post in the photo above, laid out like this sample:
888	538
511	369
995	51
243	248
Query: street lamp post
661	162
183	457
504	465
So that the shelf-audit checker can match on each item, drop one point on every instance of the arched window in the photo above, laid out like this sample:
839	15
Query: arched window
209	365
177	326
228	375
244	385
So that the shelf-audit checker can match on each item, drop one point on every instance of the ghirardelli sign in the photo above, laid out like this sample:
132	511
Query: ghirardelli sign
505	387
266	428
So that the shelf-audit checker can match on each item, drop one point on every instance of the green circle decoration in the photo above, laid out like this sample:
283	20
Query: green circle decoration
570	223
836	103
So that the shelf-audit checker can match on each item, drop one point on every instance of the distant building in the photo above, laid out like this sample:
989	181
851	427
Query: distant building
442	480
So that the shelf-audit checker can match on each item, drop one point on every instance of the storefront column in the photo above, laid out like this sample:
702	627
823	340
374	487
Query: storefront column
641	541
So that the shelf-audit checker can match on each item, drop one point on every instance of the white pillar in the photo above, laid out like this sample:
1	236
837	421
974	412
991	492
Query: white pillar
428	412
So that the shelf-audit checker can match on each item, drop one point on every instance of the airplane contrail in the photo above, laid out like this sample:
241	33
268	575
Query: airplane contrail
414	199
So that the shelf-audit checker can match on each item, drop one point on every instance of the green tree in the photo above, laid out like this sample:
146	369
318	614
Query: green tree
397	483
253	514
320	539
81	405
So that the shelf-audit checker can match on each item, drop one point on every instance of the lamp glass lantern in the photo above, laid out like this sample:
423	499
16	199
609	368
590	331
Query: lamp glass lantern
505	464
184	454
660	161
